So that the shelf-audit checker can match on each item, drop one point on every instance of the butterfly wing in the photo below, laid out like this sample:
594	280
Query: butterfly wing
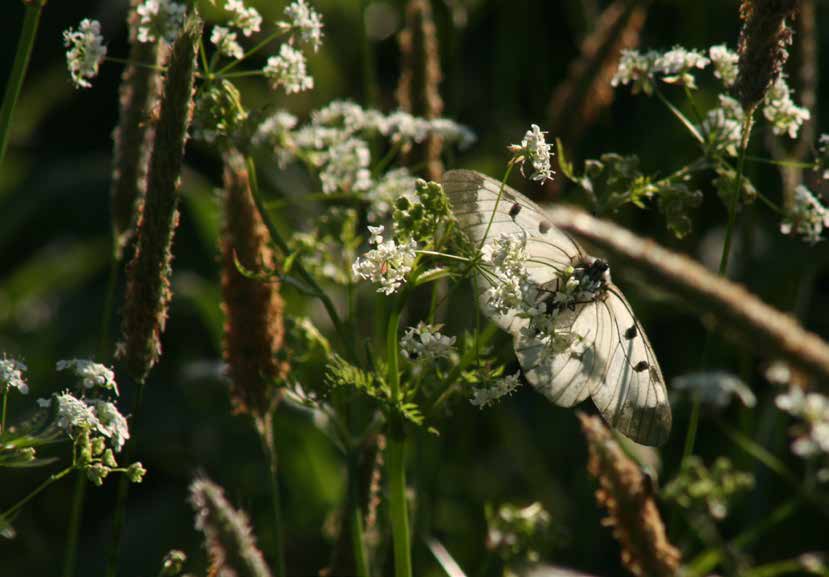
475	201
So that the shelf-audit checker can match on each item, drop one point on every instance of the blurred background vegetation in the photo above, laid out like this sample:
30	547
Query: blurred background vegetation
503	63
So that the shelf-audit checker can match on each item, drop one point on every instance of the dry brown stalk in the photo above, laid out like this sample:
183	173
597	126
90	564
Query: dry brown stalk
764	40
148	273
133	137
631	509
253	309
750	321
418	90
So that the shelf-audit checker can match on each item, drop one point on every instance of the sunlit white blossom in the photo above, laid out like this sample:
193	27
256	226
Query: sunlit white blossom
288	70
400	126
506	258
307	21
484	396
226	43
346	167
783	114
426	343
113	424
388	264
11	375
813	410
85	51
723	126
394	184
535	149
72	413
91	374
159	19
677	64
637	69
725	64
715	388
807	217
248	20
275	132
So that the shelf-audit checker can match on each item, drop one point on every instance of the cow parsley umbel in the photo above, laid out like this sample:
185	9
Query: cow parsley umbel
11	375
85	52
288	70
535	150
159	20
304	20
388	264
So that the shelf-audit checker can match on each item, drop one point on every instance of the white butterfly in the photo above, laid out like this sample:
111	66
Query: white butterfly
610	359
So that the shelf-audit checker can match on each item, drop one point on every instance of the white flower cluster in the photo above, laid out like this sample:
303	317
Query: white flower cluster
484	396
635	68
723	126
395	184
91	374
715	388
95	415
677	64
248	20
426	343
823	155
288	70
807	217
85	52
345	167
303	19
725	64
780	110
159	20
113	423
535	149
813	410
11	375
225	42
387	264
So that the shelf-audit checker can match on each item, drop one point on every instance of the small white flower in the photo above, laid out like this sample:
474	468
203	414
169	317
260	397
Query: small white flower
725	64
506	257
807	217
376	233
388	264
288	70
781	111
400	126
306	20
715	388
426	343
723	126
159	19
637	69
535	149
85	52
73	414
823	155
225	42
346	167
483	396
11	375
248	20
394	184
113	424
90	373
451	131
676	64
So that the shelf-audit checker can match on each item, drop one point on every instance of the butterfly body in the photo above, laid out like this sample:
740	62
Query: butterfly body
603	352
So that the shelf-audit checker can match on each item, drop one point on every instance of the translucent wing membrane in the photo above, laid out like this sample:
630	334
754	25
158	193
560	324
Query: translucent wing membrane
606	354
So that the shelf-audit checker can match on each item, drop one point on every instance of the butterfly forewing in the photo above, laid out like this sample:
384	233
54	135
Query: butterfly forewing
609	357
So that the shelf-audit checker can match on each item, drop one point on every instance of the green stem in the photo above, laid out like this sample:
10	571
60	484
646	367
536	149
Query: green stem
676	112
269	448
691	433
21	63
786	163
136	64
396	462
5	402
273	36
71	555
120	513
277	238
8	513
732	207
358	541
497	201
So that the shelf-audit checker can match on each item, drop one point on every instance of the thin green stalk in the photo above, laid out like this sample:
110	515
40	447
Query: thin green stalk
269	448
119	516
21	63
786	163
691	433
358	541
5	401
678	113
732	208
8	513
71	552
268	39
497	201
136	64
395	457
277	238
